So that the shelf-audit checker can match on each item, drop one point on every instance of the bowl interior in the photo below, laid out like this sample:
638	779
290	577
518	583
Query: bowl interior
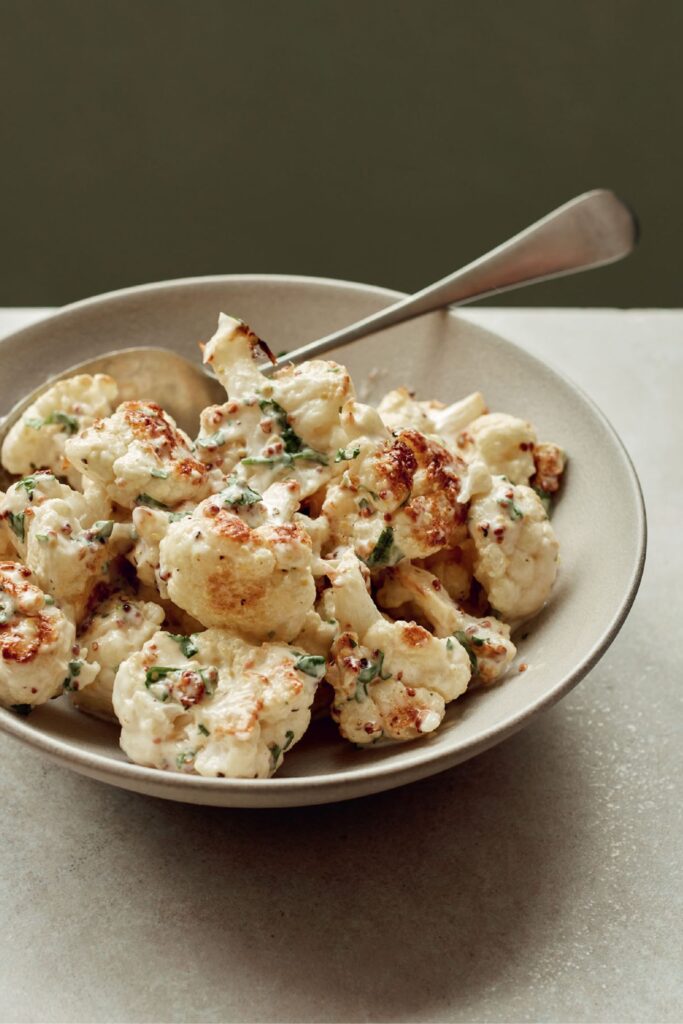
599	519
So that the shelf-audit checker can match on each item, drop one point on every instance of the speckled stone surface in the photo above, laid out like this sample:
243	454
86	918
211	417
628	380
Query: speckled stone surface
538	882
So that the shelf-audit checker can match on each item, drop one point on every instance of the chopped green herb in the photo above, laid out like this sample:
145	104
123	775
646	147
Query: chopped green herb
281	353
150	502
311	665
361	693
365	504
384	552
546	498
238	493
22	709
292	441
187	644
16	523
275	753
187	757
42	537
209	677
346	455
69	423
74	671
101	530
160	474
29	483
34	422
173	517
374	669
157	672
468	642
49	599
286	458
289	738
514	510
6	607
449	644
203	730
212	441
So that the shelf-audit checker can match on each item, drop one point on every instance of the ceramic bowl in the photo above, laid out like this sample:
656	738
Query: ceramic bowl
599	519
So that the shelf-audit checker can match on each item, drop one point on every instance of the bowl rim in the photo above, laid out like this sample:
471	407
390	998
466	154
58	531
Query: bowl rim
421	756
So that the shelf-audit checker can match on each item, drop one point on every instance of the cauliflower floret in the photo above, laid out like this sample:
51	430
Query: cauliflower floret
115	629
38	439
400	410
38	653
140	457
221	707
505	443
453	567
549	462
269	429
516	549
398	499
487	640
55	532
391	679
257	581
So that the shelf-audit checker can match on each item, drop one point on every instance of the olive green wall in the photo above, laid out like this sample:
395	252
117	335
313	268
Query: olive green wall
379	140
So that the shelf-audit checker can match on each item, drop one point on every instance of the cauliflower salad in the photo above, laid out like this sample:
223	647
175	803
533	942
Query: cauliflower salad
304	554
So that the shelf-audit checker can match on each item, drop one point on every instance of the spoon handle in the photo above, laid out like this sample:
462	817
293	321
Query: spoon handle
593	229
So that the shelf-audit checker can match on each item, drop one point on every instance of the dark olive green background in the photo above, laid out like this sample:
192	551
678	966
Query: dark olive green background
386	141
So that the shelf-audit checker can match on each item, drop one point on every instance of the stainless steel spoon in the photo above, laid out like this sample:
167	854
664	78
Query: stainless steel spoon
594	229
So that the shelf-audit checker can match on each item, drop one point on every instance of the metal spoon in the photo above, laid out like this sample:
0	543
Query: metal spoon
594	229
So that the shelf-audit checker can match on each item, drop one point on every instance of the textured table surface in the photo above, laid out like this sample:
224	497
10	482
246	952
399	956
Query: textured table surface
537	882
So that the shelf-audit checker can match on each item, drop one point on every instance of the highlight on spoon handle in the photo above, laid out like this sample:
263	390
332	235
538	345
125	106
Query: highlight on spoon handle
589	231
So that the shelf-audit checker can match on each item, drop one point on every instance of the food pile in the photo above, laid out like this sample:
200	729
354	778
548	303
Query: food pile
304	548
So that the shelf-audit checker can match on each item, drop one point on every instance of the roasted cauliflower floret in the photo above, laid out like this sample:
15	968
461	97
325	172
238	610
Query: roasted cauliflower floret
486	640
257	581
38	653
55	532
140	457
516	549
270	429
400	500
217	706
391	680
115	629
38	440
506	445
399	410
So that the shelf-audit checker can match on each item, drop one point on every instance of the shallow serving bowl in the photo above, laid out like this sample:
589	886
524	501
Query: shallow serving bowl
599	519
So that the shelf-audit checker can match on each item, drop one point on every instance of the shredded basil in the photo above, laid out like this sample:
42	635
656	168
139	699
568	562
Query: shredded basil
173	517
286	458
35	423
275	753
186	643
514	511
74	671
203	730
156	673
150	502
187	757
29	483
292	441
311	665
160	474
69	423
289	738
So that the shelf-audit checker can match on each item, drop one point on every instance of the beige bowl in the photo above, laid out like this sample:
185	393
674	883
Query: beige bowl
600	519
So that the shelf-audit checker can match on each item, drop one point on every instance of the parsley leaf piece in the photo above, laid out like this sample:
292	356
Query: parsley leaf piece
238	493
35	423
203	730
174	517
212	441
186	643
291	439
68	423
384	552
16	524
346	455
101	530
70	683
546	498
160	474
373	670
150	502
158	672
311	665
289	737
186	758
468	642
514	511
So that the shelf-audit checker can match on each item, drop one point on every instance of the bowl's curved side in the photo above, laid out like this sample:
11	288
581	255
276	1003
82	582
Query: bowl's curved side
600	519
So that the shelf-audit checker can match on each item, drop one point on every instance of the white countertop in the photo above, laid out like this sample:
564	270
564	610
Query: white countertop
537	882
